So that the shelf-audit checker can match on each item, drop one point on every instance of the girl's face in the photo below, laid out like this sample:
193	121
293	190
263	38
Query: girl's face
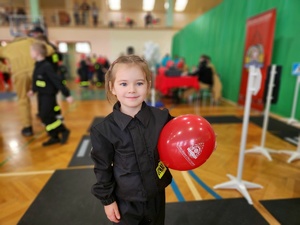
33	53
130	87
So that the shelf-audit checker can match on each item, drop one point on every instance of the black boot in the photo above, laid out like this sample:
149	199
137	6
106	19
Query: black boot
64	136
27	131
51	141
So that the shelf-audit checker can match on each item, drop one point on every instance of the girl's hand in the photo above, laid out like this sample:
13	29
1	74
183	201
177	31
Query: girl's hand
112	212
69	99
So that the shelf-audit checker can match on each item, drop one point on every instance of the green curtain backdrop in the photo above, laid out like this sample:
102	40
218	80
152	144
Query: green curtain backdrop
220	33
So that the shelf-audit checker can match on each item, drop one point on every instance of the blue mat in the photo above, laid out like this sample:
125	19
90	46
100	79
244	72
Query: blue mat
7	96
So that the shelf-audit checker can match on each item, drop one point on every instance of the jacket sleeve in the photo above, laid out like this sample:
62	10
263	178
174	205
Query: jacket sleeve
56	80
33	86
102	154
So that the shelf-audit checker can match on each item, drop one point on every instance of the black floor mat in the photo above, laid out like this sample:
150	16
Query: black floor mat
223	119
95	121
234	211
286	211
278	128
67	199
81	156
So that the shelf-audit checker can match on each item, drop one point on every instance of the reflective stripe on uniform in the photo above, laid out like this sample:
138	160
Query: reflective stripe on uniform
56	108
55	58
40	83
53	125
84	83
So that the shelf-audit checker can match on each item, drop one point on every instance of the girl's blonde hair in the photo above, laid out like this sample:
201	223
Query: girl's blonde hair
110	75
40	47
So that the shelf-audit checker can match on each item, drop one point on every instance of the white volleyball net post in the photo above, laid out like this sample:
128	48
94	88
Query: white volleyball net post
292	119
262	149
253	86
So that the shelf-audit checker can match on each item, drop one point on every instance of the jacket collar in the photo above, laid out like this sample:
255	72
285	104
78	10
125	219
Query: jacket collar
123	119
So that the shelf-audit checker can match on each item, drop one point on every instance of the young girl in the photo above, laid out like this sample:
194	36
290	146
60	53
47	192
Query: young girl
47	83
131	180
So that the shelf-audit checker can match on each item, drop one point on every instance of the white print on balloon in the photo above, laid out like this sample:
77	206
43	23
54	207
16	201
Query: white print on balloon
194	152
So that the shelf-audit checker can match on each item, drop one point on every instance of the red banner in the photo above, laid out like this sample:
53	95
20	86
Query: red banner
258	52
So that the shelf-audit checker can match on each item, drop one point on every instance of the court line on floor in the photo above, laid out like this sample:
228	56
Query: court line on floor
191	185
202	184
37	172
28	173
4	161
177	191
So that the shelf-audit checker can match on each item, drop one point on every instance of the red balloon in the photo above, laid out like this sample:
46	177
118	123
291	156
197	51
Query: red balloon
186	142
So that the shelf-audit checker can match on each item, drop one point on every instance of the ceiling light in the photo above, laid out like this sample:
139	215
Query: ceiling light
166	5
148	5
114	4
180	5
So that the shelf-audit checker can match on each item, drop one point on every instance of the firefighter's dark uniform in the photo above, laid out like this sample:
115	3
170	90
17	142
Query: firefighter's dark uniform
100	74
47	84
127	165
83	71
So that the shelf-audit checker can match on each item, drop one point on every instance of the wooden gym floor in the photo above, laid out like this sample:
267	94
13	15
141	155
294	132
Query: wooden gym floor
26	166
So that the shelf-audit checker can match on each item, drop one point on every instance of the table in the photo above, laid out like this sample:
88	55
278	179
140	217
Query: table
164	83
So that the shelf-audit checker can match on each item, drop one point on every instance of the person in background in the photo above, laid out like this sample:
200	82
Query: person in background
176	59
5	77
85	8
165	59
53	59
129	22
91	69
100	73
62	71
148	19
131	192
172	70
208	79
83	72
46	84
17	53
181	65
76	14
95	14
204	71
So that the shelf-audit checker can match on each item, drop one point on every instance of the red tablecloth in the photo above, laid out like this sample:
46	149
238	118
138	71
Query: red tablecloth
164	84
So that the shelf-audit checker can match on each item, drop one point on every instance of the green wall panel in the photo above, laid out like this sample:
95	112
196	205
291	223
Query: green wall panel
220	33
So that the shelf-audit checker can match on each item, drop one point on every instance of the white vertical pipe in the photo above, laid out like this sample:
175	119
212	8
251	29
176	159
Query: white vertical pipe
268	103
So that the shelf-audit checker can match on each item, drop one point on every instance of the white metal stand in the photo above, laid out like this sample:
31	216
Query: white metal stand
262	149
294	154
292	118
254	81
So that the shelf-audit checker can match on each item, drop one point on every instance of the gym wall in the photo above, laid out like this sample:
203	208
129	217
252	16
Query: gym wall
221	32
